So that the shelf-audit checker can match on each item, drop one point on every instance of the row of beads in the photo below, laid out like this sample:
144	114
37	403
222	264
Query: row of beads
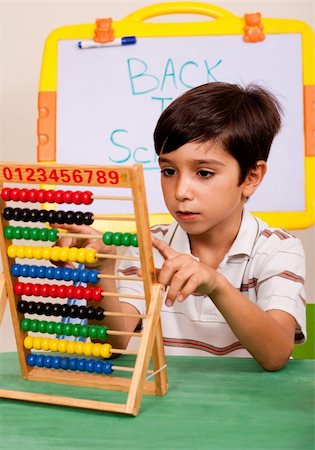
49	196
126	239
65	363
36	234
56	290
63	310
63	346
67	329
82	255
55	273
50	216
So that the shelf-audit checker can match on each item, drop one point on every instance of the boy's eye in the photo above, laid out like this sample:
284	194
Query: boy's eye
205	173
168	172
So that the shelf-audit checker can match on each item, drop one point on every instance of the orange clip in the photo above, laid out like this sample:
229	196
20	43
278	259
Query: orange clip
104	31
253	30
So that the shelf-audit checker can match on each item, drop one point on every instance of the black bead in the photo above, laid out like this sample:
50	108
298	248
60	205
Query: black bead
48	309
78	218
42	215
17	212
34	215
51	216
73	311
7	213
69	217
90	312
40	308
82	312
64	310
60	217
25	216
87	218
56	309
99	313
22	306
31	307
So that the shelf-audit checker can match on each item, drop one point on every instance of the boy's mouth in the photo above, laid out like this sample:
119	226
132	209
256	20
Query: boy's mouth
186	215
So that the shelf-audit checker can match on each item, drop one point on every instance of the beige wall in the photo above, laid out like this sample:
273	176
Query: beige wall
24	26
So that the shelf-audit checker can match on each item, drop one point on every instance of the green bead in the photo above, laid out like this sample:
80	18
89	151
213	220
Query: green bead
107	237
50	328
9	232
76	328
18	233
93	331
34	234
34	325
125	239
52	235
85	330
102	332
67	329
116	239
42	326
43	234
25	324
58	328
26	233
134	240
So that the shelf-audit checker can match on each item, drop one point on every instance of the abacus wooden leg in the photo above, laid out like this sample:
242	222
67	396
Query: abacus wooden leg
3	297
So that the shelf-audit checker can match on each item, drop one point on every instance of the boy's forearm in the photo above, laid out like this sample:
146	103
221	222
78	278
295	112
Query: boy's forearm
263	336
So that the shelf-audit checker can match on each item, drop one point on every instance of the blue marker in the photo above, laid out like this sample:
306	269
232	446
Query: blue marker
126	40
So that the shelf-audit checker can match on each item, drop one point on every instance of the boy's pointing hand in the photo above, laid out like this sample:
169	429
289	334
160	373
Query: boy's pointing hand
183	274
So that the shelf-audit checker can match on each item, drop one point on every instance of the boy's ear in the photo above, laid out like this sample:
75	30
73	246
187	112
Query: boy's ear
254	178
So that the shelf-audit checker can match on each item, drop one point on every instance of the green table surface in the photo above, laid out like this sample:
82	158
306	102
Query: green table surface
212	403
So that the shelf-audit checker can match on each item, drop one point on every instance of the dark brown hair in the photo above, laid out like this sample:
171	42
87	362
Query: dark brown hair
244	120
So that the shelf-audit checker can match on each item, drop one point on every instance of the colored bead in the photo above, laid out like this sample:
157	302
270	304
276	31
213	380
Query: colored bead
64	363
41	272
88	218
70	290
31	307
34	325
67	329
66	274
81	255
51	216
54	345
42	326
93	331
73	311
45	345
125	239
82	312
107	238
77	197
76	328
50	328
90	312
97	349
31	360
55	252
22	306
81	364
46	252
40	308
60	217
19	288
79	290
7	213
28	342
25	324
34	234
9	232
48	361
84	275
24	195
52	235
90	366
75	273
90	256
87	197
33	217
38	252
19	233
20	251
87	294
15	194
59	327
92	276
62	346
71	347
6	194
25	215
50	196
64	312
134	240
11	251
48	309
44	290
53	291
36	289
56	310
106	351
73	363
78	218
63	254
116	238
42	215
97	294
50	273
73	253
99	313
25	270
67	196
37	343
32	195
87	348
69	217
84	330
58	271
59	197
99	366
28	289
79	346
41	196
16	270
25	233
56	361
101	332
43	234
107	367
17	212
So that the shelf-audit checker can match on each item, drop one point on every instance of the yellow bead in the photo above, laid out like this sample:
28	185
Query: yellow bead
28	342
29	254
62	346
20	251
37	343
12	251
90	256
63	255
79	346
106	351
97	349
46	252
87	348
71	347
38	254
45	344
54	254
81	256
54	345
73	253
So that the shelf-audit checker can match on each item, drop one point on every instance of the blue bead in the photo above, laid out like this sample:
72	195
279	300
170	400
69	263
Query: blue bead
90	366
64	363
93	276
99	367
56	362
40	360
75	275
81	364
48	362
32	271
15	270
73	363
31	359
50	273
24	270
66	274
107	367
41	272
58	273
84	275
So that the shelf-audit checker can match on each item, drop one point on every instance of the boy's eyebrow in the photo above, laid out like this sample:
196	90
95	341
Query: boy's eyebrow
195	161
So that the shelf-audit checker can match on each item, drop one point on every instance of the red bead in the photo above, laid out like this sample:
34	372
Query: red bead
24	195
44	290
15	194
32	195
70	291
62	291
36	289
97	294
28	289
87	294
50	196
41	195
6	194
79	291
53	290
87	197
19	288
77	197
59	197
67	196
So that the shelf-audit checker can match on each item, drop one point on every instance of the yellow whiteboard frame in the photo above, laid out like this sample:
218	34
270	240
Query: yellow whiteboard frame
224	23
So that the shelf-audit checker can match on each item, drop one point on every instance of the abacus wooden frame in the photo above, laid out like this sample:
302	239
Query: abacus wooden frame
151	343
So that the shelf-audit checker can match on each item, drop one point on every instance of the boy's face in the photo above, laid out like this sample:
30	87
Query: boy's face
200	187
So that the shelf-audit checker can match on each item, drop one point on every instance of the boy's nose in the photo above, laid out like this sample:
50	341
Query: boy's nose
183	190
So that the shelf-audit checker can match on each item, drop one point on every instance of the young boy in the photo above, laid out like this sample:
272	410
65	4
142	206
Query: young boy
235	286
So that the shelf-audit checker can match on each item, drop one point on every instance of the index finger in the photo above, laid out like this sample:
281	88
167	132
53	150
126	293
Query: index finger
163	248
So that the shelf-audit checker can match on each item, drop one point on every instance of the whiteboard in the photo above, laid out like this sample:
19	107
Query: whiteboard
109	100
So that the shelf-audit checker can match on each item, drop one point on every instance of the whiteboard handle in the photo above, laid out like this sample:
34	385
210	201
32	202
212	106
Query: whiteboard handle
160	9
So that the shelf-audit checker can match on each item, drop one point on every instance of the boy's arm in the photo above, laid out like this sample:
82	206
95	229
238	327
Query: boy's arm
268	336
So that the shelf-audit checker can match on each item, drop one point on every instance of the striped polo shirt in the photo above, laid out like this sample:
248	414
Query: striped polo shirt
266	264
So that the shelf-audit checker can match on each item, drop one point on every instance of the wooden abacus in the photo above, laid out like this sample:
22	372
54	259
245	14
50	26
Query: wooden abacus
46	366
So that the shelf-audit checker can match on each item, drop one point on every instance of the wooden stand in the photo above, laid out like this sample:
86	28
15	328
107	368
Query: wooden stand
151	343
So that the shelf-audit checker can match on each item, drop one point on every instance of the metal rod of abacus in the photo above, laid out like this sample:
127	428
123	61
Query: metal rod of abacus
118	314
111	197
116	294
106	217
105	255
